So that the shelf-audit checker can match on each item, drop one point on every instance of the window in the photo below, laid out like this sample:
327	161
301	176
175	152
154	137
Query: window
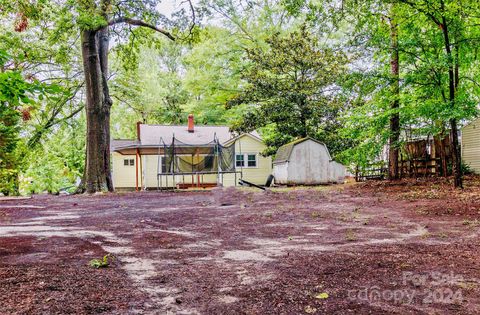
252	160
249	157
240	160
127	162
164	164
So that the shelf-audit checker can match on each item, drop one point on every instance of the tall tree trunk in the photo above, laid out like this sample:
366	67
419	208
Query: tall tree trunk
103	44
395	117
443	154
456	155
452	73
97	176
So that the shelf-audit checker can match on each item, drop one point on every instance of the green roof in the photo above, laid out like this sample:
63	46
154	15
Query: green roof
284	152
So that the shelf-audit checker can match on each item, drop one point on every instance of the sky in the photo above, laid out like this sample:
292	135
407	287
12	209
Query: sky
167	7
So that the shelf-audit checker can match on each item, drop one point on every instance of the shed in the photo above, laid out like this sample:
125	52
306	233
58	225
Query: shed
471	145
306	161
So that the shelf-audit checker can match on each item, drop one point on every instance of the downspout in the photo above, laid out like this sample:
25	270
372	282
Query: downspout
235	159
136	169
137	155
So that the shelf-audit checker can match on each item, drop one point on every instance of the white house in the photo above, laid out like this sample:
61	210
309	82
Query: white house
188	156
471	145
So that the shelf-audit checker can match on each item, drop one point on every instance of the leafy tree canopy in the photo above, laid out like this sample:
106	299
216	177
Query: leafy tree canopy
291	85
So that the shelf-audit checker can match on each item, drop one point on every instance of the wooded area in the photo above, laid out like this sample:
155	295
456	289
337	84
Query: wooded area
361	76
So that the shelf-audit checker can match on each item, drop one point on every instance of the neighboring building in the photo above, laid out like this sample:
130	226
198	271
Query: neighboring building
306	162
188	156
471	145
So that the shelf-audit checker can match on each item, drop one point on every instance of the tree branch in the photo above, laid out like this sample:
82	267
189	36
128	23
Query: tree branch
417	7
140	23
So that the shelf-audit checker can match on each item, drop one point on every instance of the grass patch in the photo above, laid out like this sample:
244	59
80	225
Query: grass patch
471	223
350	236
102	263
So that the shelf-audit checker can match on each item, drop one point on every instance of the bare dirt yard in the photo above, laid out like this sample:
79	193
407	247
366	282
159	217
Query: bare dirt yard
374	248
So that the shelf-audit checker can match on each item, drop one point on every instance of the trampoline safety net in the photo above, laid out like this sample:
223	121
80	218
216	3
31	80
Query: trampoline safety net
177	158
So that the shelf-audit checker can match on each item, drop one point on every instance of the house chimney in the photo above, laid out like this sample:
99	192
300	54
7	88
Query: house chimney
138	130
190	123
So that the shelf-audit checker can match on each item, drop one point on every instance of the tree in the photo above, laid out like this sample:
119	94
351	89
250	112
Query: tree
456	23
95	38
42	54
437	79
395	103
17	99
56	164
153	88
92	20
291	86
213	74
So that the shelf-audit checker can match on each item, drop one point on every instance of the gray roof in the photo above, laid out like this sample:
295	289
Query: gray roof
284	152
118	143
151	134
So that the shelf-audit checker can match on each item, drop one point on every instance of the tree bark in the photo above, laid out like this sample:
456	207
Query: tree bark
443	154
395	116
97	176
452	74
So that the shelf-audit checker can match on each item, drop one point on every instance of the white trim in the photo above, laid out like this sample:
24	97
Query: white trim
245	160
475	120
144	171
234	139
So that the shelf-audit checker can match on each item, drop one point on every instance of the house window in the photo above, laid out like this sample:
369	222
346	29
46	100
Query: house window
252	160
249	157
164	164
127	162
240	160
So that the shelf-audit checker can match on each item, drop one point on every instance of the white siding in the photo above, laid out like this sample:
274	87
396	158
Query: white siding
308	164
471	145
257	175
337	172
280	171
123	175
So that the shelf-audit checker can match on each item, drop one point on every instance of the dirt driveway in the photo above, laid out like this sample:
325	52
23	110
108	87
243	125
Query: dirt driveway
362	249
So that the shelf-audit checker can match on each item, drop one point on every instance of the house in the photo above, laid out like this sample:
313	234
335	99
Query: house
166	156
306	161
470	145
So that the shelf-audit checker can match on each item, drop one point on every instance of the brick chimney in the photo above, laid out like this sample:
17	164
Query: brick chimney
190	123
138	129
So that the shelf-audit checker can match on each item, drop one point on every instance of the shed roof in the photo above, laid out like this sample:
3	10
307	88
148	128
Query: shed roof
285	151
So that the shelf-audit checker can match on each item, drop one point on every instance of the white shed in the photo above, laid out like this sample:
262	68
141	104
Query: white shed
306	162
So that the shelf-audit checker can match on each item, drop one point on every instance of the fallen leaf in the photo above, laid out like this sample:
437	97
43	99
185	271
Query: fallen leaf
322	296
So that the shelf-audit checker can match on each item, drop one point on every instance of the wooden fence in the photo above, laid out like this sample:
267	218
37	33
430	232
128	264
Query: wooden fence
420	158
407	169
